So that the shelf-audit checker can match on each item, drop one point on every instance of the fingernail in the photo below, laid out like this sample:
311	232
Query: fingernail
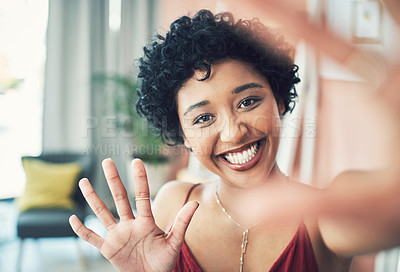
107	159
81	181
136	159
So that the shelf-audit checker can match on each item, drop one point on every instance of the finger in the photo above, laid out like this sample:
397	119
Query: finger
182	220
142	194
97	205
84	233
295	24
393	7
118	190
390	89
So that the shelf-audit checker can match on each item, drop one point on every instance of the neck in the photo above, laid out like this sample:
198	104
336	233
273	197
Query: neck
239	201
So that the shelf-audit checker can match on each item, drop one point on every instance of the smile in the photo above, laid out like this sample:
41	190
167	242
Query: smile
243	158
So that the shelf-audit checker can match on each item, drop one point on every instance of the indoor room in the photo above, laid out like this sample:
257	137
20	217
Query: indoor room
160	135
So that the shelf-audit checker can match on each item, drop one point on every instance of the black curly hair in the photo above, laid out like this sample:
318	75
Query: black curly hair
195	44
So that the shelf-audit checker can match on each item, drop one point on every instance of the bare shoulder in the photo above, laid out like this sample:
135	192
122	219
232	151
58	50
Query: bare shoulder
169	200
303	187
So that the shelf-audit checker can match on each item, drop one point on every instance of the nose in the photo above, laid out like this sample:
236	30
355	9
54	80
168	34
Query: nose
233	130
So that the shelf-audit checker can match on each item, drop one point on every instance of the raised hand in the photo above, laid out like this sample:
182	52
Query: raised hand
370	66
133	244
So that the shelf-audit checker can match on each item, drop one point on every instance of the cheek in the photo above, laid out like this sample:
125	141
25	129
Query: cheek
267	123
201	140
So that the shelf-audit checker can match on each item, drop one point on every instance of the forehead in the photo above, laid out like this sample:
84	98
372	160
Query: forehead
225	76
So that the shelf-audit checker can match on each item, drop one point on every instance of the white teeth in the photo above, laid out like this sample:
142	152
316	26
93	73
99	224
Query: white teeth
240	158
249	152
244	156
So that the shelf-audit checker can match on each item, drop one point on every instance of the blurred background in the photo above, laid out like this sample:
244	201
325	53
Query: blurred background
67	74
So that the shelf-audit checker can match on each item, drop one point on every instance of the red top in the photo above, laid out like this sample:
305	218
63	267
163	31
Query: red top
298	255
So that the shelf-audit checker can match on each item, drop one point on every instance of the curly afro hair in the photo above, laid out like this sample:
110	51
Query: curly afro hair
195	44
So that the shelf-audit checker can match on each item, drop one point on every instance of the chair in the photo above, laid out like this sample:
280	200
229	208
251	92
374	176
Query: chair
53	222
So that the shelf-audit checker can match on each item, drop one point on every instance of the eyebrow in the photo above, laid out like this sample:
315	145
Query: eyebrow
197	105
245	87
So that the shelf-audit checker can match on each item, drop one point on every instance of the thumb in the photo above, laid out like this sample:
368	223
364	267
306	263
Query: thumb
181	223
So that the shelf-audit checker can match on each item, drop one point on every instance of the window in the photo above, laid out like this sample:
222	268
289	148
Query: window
22	60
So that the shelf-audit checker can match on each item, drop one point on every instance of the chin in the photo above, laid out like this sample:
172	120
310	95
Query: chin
250	180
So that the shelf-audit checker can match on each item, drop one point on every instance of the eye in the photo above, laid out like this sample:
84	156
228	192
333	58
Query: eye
202	119
248	102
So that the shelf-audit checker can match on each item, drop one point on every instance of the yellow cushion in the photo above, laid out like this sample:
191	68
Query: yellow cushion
48	184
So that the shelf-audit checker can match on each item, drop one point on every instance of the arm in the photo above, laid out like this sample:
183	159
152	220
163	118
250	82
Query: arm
360	213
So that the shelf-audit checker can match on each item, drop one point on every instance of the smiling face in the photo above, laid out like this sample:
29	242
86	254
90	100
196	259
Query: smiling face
231	121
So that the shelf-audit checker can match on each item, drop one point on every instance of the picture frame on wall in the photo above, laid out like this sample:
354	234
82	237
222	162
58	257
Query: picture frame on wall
367	22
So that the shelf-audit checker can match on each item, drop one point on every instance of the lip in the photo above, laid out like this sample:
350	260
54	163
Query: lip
248	165
239	149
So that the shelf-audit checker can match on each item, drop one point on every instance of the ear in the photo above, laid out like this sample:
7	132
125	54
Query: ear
281	107
186	143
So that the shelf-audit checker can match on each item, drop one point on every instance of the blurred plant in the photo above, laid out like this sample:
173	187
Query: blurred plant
123	92
10	84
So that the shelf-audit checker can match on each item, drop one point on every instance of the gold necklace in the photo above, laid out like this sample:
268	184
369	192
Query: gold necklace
245	241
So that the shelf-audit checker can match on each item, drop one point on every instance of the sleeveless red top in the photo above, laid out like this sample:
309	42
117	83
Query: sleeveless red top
297	257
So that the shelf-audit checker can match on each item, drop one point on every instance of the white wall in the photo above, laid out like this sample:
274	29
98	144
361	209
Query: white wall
340	15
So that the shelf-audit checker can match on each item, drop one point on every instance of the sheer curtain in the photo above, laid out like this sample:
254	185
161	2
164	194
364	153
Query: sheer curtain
78	117
68	68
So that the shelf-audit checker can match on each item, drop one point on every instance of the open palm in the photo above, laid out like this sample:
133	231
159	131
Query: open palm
133	244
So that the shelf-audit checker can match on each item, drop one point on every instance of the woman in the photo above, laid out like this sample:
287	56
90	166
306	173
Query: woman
221	88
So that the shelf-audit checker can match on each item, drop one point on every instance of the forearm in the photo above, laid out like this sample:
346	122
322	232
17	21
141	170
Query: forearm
360	212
